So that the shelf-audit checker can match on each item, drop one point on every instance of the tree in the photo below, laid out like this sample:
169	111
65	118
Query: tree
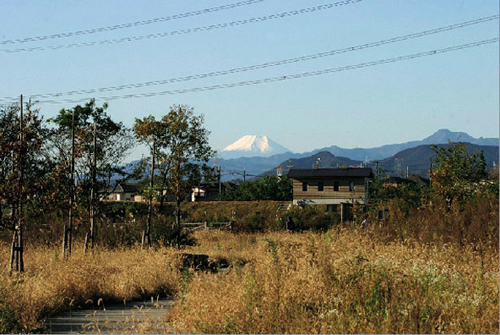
179	144
457	173
269	188
98	145
22	170
150	132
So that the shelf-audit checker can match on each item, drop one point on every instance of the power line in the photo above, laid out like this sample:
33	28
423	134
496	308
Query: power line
185	31
291	76
130	24
264	65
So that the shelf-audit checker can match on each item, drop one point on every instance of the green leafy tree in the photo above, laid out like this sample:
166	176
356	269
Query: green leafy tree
101	145
22	171
457	173
36	165
268	188
409	195
179	143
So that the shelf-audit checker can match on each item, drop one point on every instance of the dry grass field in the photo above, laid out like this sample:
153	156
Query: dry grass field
341	281
50	285
436	271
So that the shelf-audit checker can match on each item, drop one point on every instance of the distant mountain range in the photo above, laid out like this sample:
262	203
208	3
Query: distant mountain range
442	136
394	158
417	160
410	161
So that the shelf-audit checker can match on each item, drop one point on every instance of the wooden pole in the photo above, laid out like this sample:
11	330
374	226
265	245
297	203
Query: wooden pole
146	238
17	240
89	238
68	229
93	191
21	182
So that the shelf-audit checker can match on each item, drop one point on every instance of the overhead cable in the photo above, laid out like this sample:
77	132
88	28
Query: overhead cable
185	31
263	65
129	24
287	77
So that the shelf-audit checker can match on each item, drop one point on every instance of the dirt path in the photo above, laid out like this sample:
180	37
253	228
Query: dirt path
134	318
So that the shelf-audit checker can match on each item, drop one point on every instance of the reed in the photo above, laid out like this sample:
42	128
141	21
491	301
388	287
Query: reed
51	285
342	281
433	271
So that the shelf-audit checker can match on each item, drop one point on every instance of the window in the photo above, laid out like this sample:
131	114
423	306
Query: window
383	214
336	186
321	186
331	208
351	186
304	186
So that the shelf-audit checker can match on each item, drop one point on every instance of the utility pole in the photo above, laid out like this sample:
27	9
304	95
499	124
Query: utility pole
68	228
376	168
91	233
17	240
220	183
146	239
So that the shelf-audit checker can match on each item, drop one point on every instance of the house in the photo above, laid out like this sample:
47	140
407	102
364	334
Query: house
331	187
210	192
121	192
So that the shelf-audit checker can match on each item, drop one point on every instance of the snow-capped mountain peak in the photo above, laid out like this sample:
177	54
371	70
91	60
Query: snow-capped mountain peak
253	145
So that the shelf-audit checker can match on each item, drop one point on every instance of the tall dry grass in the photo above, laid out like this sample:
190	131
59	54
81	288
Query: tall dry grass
436	271
50	285
343	281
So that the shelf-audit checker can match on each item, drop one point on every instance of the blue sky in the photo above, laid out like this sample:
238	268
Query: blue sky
365	107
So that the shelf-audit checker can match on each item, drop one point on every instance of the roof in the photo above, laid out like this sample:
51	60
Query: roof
329	173
122	188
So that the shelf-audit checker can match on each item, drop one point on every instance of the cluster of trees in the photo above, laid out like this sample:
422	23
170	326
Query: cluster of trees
456	177
459	205
179	153
65	165
267	188
57	165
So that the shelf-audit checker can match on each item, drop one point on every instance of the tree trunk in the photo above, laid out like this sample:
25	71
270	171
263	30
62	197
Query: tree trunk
178	220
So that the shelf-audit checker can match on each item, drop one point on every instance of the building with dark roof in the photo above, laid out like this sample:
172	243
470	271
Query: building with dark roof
121	192
331	187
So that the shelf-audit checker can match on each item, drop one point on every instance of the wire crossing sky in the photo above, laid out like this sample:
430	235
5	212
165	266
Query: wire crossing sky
249	68
129	24
186	31
308	74
286	77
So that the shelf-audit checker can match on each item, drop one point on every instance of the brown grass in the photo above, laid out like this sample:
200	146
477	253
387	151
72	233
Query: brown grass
340	282
51	285
436	271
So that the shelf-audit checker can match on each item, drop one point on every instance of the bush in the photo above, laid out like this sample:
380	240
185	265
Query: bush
311	218
164	231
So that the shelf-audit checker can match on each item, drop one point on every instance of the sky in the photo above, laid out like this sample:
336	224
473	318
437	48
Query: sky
358	94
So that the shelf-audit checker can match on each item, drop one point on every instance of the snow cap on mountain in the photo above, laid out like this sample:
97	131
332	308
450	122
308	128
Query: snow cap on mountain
253	145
